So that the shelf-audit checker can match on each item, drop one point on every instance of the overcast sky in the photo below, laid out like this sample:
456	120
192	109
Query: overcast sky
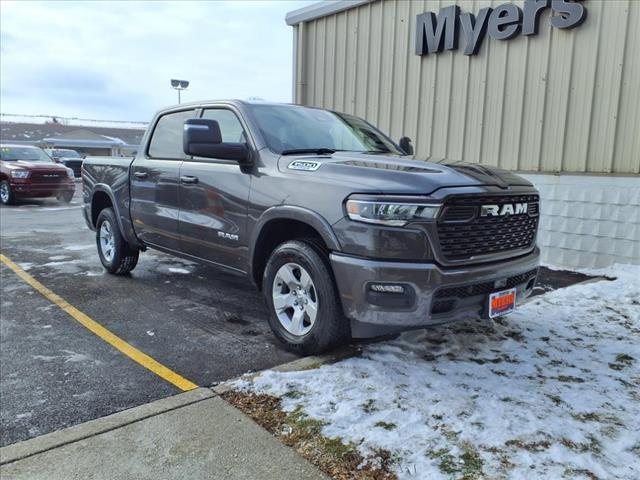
114	60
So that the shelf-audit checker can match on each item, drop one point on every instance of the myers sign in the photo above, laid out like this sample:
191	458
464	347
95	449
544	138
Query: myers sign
437	33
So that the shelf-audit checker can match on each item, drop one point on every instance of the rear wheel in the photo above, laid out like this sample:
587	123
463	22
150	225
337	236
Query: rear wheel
116	255
6	194
305	311
65	197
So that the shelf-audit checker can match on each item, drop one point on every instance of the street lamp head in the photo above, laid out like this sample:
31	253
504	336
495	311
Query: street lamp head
175	83
184	83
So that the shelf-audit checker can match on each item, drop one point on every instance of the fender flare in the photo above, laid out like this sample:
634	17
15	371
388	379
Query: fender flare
300	214
106	189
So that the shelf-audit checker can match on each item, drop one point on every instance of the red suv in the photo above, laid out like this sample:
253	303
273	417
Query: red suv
27	172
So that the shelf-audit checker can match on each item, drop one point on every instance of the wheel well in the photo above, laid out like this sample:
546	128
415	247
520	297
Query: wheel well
273	234
99	202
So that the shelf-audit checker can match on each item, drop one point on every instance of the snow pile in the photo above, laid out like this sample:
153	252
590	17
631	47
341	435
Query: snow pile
551	391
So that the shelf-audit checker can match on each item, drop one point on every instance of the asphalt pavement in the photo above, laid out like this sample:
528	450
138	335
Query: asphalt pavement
206	325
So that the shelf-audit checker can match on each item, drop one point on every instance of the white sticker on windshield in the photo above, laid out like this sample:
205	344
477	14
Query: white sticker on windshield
306	165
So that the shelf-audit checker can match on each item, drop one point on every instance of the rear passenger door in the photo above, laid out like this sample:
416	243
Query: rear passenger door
155	182
213	200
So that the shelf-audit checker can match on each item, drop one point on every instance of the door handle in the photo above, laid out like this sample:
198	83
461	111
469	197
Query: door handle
141	174
188	179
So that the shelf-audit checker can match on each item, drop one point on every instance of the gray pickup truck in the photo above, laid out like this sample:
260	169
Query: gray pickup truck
344	234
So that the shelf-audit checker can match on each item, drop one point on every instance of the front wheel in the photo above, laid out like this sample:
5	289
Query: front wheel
116	255
6	194
304	309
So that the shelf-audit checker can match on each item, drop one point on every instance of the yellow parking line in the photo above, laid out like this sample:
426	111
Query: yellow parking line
133	353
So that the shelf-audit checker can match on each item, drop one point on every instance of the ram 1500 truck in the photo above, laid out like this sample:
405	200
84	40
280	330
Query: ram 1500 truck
28	172
341	231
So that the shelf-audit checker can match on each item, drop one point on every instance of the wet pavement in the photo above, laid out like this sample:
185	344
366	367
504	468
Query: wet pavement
206	325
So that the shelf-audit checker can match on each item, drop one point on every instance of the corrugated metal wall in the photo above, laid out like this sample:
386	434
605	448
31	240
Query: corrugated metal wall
563	100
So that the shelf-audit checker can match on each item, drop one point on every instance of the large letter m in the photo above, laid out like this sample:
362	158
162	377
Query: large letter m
434	34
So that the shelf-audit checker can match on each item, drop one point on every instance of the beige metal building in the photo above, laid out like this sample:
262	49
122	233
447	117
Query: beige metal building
559	103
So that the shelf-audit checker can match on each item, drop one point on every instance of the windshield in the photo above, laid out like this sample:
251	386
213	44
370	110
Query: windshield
293	128
65	154
28	154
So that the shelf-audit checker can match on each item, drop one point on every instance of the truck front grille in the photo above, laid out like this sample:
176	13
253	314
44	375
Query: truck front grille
47	177
463	233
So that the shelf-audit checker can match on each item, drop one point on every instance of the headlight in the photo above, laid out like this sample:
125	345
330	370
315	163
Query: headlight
392	213
19	173
70	173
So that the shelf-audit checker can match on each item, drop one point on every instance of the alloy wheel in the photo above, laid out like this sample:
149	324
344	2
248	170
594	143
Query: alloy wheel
295	299
4	192
107	245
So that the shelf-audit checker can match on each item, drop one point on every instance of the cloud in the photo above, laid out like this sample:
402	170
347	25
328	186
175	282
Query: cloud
115	59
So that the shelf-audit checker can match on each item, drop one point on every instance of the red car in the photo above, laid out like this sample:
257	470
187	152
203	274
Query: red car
28	172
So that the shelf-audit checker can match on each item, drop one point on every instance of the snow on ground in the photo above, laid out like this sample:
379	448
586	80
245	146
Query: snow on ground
80	122
552	391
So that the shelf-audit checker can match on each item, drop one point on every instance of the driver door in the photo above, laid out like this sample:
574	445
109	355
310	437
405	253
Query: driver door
214	196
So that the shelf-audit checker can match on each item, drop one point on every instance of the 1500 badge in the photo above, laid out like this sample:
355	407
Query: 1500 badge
228	236
306	165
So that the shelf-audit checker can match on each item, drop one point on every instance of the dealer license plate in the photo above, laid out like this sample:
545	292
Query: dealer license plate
502	303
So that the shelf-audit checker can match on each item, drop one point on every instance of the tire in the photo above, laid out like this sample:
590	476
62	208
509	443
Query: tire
116	255
329	328
6	194
65	197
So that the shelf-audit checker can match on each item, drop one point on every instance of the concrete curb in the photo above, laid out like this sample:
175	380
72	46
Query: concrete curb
49	441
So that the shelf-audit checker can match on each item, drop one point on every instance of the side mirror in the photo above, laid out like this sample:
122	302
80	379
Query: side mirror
201	137
405	145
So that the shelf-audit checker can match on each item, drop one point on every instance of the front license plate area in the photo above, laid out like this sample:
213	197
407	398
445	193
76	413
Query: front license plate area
502	303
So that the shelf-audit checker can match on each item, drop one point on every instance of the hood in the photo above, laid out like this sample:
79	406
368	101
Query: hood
22	164
398	175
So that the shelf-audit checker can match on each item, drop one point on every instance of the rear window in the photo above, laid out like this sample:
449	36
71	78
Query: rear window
166	140
66	154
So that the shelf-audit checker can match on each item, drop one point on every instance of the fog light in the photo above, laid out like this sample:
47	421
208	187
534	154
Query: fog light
386	288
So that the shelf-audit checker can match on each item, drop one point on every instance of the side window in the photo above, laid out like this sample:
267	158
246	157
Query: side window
230	127
166	141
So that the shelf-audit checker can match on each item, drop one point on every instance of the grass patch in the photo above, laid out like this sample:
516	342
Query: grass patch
622	361
580	472
294	394
555	399
369	406
338	459
597	417
466	466
386	425
570	379
592	445
538	446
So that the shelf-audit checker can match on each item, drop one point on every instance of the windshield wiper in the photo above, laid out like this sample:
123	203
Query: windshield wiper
318	151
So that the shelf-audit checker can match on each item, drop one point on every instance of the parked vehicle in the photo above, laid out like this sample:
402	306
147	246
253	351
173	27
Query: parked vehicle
344	235
28	172
69	158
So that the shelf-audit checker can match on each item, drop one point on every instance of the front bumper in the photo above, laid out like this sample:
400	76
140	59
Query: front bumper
426	307
40	190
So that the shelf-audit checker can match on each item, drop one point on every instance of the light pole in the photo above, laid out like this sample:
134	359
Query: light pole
179	85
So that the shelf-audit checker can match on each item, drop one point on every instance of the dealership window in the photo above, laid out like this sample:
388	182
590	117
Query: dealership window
166	141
